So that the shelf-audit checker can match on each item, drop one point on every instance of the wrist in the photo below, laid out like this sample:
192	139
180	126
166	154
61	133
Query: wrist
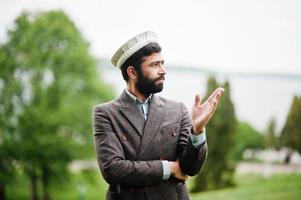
172	167
198	131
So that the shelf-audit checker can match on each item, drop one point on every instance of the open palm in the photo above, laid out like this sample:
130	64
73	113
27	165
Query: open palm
201	113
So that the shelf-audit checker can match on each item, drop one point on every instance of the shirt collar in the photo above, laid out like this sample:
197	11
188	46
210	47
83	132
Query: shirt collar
136	99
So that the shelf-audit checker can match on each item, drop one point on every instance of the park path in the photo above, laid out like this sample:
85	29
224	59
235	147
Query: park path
267	169
263	168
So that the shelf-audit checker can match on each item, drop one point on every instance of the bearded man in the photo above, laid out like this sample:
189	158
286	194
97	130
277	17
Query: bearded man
147	146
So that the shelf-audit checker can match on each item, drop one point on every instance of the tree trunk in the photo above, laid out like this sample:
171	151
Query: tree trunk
34	190
288	156
45	182
2	191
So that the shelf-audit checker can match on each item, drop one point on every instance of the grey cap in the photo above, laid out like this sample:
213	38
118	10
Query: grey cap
132	46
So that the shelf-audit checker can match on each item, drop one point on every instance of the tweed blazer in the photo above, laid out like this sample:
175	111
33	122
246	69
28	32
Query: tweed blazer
130	150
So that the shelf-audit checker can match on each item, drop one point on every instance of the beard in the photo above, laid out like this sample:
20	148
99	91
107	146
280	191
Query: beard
147	86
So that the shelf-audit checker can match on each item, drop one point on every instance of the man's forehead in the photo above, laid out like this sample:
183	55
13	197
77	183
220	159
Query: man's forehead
155	57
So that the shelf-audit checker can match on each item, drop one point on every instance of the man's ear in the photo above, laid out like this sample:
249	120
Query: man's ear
131	72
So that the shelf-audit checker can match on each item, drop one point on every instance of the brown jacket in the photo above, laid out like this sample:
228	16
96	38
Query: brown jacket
129	149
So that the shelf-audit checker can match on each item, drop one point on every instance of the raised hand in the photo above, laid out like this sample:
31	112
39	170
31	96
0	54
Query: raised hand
201	113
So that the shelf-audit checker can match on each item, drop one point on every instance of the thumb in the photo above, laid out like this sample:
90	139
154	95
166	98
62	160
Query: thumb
197	100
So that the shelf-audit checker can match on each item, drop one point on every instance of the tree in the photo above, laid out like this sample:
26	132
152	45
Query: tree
270	139
59	84
10	92
219	167
291	132
247	137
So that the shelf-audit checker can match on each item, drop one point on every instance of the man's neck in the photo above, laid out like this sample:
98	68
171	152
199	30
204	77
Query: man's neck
133	90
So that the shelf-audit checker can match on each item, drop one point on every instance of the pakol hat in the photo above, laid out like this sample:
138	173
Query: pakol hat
132	46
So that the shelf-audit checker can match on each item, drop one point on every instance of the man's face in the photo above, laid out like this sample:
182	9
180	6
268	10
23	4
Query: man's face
150	77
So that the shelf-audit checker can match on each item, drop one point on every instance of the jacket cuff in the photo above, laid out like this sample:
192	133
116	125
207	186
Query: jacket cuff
199	139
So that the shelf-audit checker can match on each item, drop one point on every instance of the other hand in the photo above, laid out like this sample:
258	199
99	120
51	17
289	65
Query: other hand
176	170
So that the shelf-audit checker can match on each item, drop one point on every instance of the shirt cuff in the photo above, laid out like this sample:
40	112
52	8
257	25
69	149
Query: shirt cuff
198	139
166	170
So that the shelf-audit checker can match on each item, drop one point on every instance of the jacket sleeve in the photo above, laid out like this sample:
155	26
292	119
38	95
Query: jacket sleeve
112	162
191	158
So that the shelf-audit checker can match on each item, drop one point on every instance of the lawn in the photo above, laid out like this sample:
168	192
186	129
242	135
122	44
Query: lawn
250	187
89	186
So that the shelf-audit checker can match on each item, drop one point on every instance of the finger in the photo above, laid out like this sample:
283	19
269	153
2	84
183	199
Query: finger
212	107
214	103
197	100
212	95
216	91
218	97
184	177
215	107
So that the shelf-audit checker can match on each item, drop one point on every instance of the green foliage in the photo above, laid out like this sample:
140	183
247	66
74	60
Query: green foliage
219	167
10	90
247	137
291	132
270	139
48	84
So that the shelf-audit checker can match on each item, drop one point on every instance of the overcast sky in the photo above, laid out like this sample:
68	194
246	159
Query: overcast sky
232	35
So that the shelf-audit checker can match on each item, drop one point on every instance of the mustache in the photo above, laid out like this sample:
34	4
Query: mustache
160	78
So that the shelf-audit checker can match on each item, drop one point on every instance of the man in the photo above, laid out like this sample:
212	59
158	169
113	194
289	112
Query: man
147	145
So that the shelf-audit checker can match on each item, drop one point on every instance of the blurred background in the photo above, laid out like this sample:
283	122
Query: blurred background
55	66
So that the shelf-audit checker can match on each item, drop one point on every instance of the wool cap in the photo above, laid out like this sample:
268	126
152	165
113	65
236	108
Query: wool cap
132	46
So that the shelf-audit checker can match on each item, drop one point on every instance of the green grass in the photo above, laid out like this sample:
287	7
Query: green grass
91	184
249	187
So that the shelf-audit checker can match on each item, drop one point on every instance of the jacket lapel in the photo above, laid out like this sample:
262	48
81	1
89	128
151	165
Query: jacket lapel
155	117
131	112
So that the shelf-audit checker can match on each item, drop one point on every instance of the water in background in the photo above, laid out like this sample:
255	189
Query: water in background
256	98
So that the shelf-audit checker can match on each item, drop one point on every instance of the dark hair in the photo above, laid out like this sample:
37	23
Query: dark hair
137	58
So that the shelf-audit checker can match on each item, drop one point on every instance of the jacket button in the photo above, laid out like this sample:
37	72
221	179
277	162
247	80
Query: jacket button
174	134
123	137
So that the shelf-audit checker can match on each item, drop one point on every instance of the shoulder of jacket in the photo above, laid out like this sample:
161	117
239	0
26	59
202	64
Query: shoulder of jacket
169	102
105	105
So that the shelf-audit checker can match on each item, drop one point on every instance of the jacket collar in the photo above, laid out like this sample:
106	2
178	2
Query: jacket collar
146	129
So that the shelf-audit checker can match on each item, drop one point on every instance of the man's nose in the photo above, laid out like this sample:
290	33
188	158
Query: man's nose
162	70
